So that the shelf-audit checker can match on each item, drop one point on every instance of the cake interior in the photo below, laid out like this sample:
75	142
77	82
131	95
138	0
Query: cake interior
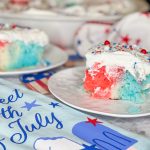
20	53
114	82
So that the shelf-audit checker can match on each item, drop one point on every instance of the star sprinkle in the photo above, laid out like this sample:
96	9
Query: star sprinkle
29	106
54	104
92	147
125	39
135	50
143	51
106	42
93	121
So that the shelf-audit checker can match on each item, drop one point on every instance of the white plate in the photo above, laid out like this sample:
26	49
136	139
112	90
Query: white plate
59	17
54	55
66	85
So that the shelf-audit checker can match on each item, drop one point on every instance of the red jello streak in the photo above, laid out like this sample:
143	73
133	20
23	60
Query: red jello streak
101	80
3	43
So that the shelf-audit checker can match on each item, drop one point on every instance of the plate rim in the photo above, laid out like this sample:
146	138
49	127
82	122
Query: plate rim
88	110
63	17
35	69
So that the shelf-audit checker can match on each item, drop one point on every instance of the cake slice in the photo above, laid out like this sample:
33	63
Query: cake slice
21	47
117	71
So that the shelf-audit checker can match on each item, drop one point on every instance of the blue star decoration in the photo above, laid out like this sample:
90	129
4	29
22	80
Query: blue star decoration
92	147
54	104
29	106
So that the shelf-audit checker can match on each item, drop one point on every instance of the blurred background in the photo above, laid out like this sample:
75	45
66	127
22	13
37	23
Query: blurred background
79	24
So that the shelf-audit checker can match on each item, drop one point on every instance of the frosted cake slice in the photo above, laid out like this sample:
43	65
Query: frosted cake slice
21	47
116	71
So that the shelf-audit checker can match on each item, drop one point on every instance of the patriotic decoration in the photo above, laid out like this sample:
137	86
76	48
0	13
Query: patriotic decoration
94	133
90	34
133	30
32	121
37	82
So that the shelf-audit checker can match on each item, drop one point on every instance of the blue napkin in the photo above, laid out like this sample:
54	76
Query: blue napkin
31	121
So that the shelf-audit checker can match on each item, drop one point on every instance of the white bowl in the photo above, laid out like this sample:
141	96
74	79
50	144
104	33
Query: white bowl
60	28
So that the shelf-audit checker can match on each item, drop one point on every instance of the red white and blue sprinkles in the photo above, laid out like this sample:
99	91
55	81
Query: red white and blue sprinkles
107	46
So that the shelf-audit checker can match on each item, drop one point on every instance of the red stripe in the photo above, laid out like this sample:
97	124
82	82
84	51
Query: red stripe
43	85
31	87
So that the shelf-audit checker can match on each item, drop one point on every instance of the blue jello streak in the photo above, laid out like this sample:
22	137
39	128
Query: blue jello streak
132	90
29	54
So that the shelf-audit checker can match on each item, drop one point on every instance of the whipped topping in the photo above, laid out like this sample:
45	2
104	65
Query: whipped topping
132	60
27	35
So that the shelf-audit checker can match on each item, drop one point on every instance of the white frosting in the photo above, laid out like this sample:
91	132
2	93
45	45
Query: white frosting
24	34
120	58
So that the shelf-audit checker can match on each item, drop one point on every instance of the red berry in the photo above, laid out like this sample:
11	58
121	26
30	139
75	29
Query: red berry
106	42
144	51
